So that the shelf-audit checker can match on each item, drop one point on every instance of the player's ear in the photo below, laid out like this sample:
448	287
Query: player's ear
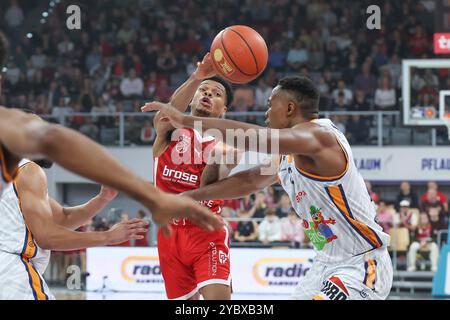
290	108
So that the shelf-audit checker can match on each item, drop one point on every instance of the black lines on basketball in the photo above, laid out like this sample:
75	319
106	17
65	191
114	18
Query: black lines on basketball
229	56
251	51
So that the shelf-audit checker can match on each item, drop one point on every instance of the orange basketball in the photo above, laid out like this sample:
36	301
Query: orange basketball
239	54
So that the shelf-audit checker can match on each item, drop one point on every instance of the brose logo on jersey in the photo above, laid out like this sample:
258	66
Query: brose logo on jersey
179	175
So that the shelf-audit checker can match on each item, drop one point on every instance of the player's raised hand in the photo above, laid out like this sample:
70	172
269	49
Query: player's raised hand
205	69
171	206
126	230
167	111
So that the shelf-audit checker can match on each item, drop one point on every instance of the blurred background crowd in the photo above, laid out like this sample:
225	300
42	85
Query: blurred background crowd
128	52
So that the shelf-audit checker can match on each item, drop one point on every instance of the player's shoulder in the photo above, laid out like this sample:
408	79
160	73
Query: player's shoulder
31	173
323	134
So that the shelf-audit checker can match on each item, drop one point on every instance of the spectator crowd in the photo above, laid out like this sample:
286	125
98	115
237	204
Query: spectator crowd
132	51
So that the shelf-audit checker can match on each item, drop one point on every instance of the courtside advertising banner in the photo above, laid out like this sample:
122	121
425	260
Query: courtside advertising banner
264	271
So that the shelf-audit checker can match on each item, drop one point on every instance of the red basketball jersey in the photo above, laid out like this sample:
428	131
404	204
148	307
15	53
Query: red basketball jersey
180	166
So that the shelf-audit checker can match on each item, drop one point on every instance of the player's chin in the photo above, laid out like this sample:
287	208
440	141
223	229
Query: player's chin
200	112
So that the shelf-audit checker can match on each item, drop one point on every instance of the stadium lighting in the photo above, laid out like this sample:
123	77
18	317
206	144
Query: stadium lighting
45	14
29	35
52	4
43	21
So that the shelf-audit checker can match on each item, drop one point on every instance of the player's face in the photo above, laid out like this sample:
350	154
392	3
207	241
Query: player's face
277	113
209	100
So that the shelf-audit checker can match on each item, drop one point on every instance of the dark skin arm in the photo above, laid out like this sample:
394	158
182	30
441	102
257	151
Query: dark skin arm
315	148
31	186
26	135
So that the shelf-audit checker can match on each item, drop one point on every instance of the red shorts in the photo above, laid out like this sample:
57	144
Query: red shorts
192	258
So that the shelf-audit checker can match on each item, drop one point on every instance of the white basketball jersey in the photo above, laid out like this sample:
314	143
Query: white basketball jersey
15	237
5	178
338	213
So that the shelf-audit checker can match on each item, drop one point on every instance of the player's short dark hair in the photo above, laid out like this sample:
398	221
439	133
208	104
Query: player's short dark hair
305	93
4	45
227	86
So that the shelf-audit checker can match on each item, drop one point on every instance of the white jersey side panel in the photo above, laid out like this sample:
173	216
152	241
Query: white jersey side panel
15	238
338	213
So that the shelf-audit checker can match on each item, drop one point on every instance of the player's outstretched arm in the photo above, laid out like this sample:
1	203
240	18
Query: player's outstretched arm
28	136
305	138
74	217
31	187
184	94
235	186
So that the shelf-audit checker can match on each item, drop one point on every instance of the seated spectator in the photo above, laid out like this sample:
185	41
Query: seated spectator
385	98
260	205
277	56
408	219
270	228
247	202
384	217
246	230
244	99
292	229
89	129
357	130
340	103
316	57
163	91
227	215
262	94
406	193
333	57
373	195
148	133
339	122
342	89
441	197
144	241
438	222
297	56
284	206
61	109
132	86
166	62
366	81
271	198
360	103
432	201
422	242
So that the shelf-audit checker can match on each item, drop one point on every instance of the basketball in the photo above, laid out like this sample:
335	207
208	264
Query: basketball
239	54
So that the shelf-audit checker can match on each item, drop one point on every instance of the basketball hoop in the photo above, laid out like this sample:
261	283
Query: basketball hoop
446	121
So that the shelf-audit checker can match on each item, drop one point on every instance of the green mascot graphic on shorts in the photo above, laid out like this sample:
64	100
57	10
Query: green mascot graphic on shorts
318	231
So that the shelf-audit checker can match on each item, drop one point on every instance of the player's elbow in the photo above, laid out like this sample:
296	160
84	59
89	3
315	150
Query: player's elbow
40	133
45	242
50	137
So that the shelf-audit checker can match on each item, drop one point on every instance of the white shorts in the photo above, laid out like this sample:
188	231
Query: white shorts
364	277
20	280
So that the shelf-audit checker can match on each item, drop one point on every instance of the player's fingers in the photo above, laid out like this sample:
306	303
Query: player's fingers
136	237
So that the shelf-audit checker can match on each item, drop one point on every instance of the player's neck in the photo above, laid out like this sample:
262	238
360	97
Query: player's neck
299	120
